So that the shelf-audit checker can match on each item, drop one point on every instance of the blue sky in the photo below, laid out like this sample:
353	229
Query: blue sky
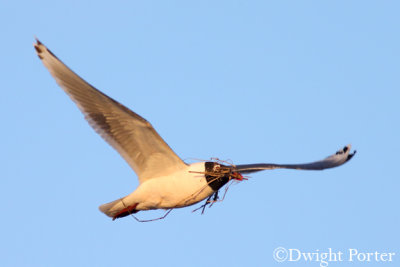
247	81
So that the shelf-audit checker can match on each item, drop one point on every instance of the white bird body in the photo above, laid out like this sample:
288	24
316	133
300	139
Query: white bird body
180	189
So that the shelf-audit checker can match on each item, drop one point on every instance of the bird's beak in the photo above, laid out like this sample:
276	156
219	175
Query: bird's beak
237	176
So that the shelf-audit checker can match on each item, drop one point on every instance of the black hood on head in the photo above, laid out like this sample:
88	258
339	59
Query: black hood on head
217	175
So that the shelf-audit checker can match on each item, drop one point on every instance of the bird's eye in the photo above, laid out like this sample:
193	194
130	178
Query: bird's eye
216	167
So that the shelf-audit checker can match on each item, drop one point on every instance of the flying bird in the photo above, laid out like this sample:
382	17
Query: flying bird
165	181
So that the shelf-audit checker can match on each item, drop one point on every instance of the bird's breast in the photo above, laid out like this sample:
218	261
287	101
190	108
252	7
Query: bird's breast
176	190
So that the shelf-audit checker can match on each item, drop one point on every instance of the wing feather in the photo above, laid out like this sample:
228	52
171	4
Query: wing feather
335	160
130	134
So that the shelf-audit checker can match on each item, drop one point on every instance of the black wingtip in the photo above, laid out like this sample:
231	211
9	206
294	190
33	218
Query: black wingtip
37	40
40	47
351	155
345	150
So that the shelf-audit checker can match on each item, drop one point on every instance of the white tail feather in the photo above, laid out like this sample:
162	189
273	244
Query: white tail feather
112	208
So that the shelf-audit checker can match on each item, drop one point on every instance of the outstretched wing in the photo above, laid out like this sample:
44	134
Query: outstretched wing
341	157
130	134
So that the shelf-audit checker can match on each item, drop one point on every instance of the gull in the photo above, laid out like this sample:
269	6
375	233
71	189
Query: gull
165	181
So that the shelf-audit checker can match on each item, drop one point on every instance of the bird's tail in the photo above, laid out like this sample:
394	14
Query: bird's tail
118	208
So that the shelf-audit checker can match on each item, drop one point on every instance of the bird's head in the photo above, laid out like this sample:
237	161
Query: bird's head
218	175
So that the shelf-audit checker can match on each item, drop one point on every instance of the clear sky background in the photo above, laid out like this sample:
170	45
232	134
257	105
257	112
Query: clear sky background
248	81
